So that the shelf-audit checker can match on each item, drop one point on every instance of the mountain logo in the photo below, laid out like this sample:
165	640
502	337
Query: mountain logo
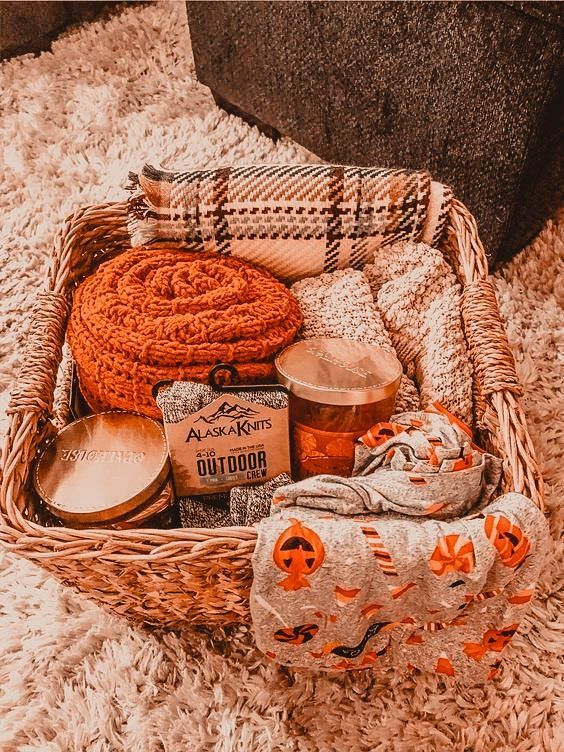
228	412
229	420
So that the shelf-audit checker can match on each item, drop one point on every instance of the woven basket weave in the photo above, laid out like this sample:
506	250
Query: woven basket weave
174	577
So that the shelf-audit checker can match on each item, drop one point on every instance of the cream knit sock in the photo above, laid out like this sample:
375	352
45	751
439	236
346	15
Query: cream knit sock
418	298
340	304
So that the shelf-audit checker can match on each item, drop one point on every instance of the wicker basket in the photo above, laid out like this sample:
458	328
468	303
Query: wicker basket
174	577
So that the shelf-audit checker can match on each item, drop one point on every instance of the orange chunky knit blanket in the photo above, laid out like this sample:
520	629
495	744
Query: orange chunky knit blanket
160	313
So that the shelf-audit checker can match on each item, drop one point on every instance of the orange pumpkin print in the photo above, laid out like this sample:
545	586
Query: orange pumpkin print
327	617
498	639
436	507
408	620
414	639
380	433
509	540
475	650
433	459
299	552
344	665
453	553
417	480
464	463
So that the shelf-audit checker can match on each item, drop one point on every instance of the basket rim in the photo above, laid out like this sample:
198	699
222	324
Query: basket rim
103	224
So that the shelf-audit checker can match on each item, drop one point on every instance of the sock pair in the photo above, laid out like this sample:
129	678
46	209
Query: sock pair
243	506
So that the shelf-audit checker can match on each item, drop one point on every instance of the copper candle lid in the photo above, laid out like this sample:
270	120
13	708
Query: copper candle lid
102	466
338	371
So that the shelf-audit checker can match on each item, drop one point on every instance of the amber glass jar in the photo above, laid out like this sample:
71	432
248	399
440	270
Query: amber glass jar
339	388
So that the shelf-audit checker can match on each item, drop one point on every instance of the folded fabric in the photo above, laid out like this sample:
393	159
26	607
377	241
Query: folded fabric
336	592
418	298
295	220
421	463
340	304
207	511
250	504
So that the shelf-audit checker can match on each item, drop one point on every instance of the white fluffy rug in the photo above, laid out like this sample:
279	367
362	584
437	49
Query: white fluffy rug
73	679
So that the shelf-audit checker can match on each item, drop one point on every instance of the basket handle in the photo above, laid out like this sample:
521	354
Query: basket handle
42	355
494	365
31	399
86	234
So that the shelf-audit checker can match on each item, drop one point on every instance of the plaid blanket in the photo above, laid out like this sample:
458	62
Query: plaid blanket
295	220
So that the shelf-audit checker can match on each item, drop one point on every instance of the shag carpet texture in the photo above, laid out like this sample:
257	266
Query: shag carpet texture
73	679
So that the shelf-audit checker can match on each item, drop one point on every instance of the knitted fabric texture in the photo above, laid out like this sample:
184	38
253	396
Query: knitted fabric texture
340	304
208	511
295	220
160	313
242	506
250	504
418	298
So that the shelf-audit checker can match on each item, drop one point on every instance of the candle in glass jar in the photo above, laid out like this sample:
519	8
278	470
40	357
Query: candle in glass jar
106	470
339	388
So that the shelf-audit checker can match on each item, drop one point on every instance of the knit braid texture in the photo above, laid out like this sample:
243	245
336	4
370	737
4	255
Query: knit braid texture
160	313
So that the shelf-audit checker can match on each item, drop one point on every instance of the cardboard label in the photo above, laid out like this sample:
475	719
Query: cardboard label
230	442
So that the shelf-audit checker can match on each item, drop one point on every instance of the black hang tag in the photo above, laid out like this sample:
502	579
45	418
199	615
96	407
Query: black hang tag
235	387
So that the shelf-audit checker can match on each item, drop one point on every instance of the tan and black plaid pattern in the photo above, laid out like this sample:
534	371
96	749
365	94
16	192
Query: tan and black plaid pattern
295	220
